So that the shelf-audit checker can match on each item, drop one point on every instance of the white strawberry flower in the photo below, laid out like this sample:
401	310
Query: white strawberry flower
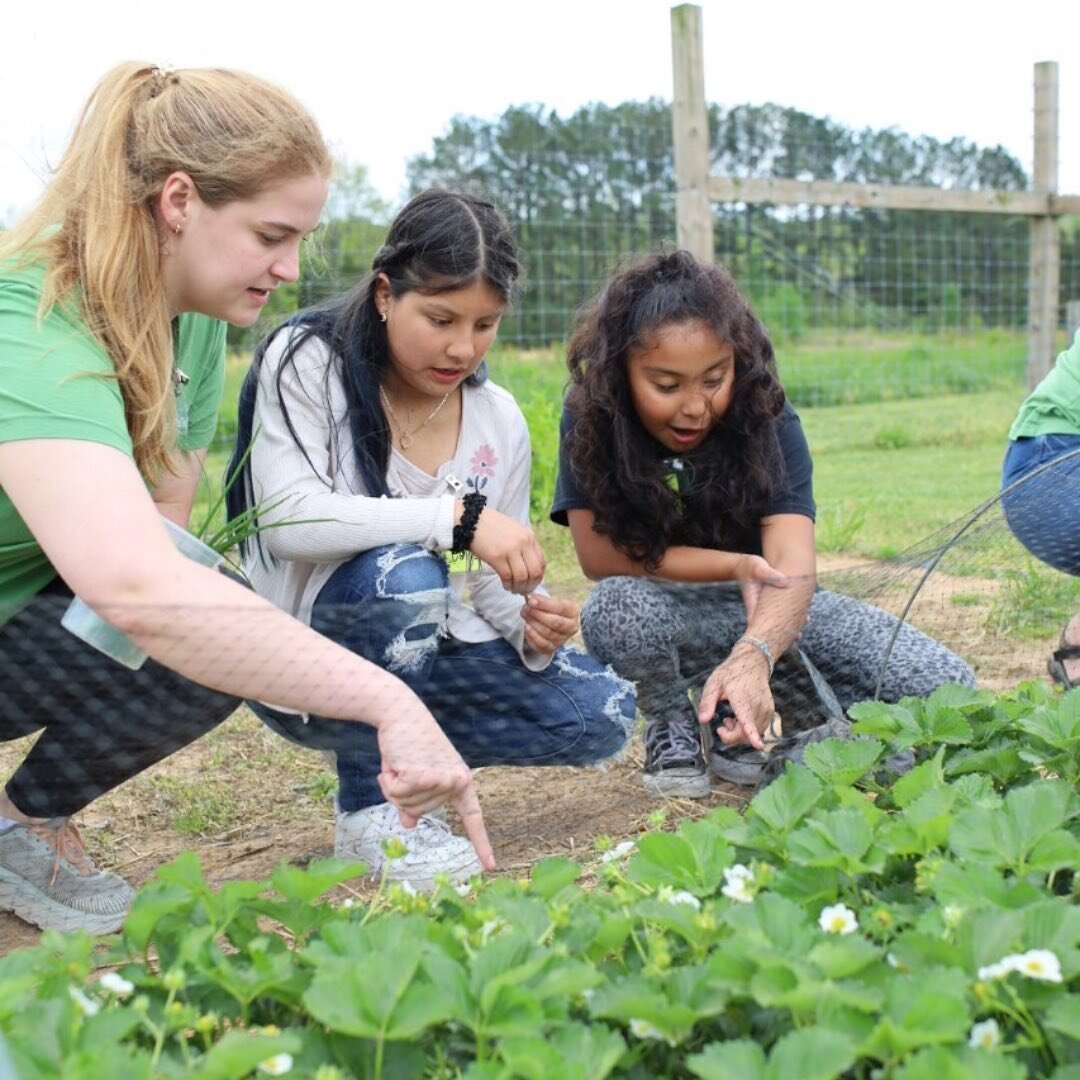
1039	964
985	1035
644	1030
116	984
87	1006
679	896
737	882
993	972
278	1065
492	926
618	851
838	919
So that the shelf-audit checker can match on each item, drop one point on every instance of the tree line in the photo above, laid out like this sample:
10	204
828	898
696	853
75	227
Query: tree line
587	190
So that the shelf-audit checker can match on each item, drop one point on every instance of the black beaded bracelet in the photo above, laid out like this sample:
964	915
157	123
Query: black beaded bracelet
465	530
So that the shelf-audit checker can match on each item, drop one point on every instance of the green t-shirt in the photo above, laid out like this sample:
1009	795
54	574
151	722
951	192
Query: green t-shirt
1053	407
51	388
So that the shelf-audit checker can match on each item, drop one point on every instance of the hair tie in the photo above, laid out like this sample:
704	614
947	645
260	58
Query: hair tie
161	78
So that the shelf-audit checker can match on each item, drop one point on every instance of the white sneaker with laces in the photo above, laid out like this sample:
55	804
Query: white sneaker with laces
46	878
432	848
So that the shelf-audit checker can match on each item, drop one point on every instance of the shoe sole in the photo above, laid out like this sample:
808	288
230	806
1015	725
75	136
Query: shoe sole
420	880
426	882
33	906
677	784
744	772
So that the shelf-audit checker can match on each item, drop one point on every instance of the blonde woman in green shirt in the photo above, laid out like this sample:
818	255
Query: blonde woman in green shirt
179	206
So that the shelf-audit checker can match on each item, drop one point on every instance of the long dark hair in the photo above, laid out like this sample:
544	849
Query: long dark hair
440	241
619	466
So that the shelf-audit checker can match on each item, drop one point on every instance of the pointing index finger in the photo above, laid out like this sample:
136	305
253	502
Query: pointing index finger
467	805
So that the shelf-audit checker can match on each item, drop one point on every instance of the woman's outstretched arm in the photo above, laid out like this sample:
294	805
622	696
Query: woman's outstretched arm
88	508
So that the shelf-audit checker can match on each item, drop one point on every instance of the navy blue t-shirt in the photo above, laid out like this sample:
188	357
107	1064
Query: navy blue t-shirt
793	489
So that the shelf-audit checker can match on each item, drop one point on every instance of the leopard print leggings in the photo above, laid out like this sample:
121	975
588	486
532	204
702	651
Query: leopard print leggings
668	637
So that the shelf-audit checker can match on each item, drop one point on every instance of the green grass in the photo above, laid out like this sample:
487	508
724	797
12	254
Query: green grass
848	368
889	470
899	491
1033	598
195	807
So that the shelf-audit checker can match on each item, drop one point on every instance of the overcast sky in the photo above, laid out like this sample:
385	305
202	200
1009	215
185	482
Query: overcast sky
384	78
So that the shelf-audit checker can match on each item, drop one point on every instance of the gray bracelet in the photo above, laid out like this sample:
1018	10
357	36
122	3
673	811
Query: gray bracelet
761	646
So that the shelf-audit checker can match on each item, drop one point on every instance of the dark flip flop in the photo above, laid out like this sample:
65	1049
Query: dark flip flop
1056	665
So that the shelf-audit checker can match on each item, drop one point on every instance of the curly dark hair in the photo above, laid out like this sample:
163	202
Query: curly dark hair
619	467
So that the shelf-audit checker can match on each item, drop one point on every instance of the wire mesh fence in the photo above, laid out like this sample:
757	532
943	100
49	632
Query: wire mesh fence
863	302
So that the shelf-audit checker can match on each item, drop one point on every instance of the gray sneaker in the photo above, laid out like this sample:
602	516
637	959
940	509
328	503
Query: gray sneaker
47	878
432	849
674	763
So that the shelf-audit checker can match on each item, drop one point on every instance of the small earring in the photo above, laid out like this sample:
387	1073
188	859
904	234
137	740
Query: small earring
176	228
382	316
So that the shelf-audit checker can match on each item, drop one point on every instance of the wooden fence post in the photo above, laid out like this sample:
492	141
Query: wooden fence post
690	131
1045	243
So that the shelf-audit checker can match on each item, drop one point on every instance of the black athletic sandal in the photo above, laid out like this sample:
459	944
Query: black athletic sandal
1055	665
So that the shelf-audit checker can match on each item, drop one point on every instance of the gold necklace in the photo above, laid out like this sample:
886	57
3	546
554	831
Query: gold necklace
405	438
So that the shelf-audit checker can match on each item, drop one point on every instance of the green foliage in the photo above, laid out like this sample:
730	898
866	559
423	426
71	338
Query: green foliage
783	310
843	927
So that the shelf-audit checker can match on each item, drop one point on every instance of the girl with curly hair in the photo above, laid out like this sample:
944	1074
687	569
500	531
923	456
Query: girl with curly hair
683	466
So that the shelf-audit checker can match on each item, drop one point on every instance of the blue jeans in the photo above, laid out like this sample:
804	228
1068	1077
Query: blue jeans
1043	512
390	606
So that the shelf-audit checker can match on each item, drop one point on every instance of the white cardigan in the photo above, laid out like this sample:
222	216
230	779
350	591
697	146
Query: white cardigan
331	518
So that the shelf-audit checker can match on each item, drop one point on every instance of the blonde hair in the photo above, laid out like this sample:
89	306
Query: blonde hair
95	227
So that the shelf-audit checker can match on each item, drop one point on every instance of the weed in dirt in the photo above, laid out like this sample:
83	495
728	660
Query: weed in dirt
195	807
1034	601
322	785
967	599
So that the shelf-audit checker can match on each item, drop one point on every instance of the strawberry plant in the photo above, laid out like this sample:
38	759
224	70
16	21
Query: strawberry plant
848	924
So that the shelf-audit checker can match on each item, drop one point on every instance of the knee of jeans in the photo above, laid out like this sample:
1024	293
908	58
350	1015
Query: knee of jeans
627	622
609	710
385	572
404	569
416	581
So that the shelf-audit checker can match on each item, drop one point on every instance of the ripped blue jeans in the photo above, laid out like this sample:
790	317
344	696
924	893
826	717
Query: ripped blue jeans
390	606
